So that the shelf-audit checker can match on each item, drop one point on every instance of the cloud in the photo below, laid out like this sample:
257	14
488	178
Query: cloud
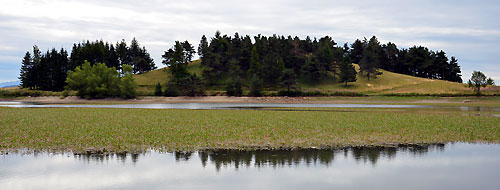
449	25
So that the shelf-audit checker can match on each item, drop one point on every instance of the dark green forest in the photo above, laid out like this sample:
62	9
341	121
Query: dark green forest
275	62
268	57
48	71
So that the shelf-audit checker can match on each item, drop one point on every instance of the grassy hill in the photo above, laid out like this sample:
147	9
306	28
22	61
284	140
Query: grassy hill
387	83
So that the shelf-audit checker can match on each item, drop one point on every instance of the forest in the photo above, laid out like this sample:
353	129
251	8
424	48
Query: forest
268	57
274	62
48	71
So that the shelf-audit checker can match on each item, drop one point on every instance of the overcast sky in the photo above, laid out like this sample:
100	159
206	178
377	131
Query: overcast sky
468	30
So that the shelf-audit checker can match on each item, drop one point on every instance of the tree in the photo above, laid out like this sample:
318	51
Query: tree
357	51
254	62
347	71
289	80
99	81
176	60
172	89
128	85
26	71
479	80
158	91
141	60
390	61
325	54
203	47
122	50
233	87
454	74
256	85
271	69
313	70
191	85
370	62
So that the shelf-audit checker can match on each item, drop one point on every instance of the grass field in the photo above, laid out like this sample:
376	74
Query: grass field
387	83
134	130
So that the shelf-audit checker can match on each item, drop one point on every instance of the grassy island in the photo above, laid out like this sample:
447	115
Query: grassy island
136	130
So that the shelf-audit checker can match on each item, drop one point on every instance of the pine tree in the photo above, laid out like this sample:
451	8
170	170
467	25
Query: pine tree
256	85
454	71
233	87
357	51
158	90
313	70
370	62
203	47
26	71
347	72
175	60
255	66
289	80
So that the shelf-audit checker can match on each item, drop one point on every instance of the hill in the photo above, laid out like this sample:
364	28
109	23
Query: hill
10	84
386	83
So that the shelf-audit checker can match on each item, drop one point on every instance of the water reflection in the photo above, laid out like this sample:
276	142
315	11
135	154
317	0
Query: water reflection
450	166
88	158
307	157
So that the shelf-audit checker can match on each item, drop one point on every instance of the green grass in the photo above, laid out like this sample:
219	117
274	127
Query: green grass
118	130
387	83
391	83
147	81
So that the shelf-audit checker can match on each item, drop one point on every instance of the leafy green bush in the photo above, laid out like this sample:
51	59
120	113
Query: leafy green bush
99	81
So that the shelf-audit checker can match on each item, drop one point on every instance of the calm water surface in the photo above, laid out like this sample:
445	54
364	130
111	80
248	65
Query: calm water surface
239	106
450	166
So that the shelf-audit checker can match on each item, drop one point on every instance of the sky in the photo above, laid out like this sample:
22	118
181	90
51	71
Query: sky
468	30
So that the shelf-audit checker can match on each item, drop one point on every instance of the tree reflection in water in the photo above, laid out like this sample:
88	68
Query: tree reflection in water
282	158
279	158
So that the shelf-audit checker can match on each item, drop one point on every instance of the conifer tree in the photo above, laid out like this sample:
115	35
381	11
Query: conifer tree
26	71
347	72
370	62
158	90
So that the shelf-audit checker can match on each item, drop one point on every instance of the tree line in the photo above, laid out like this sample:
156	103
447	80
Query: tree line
416	61
268	57
279	61
48	71
274	62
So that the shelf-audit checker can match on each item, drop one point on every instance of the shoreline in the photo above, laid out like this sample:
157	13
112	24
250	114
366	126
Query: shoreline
445	101
103	151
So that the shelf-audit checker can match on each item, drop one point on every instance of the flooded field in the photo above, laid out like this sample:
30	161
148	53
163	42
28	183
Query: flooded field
450	166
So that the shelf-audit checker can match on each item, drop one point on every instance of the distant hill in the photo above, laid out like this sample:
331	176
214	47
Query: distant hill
10	84
387	83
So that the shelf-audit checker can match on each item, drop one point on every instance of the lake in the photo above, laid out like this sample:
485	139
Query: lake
241	106
440	166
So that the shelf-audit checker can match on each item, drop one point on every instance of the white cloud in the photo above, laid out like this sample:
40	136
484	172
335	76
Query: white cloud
157	24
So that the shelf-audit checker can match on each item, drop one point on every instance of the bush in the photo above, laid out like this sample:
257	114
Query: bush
233	87
99	81
158	91
172	90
